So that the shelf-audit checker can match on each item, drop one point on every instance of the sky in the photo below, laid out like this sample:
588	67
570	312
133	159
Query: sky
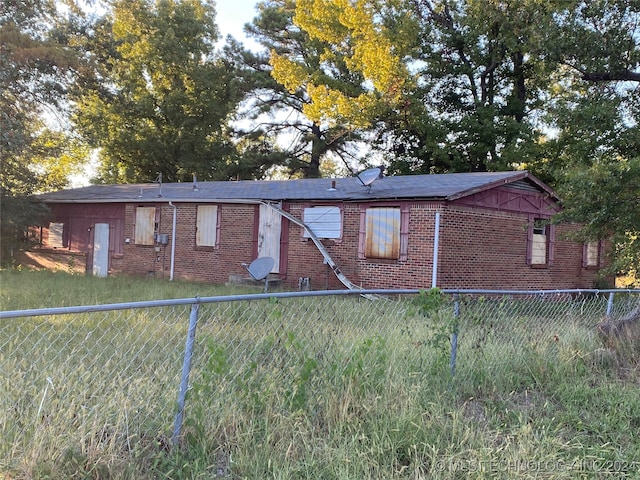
231	17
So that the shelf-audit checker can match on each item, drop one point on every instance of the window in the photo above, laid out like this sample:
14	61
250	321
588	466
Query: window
384	232
325	222
591	255
145	225
56	231
540	242
207	226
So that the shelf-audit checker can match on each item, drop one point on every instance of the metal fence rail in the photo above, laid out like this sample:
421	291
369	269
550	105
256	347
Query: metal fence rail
117	376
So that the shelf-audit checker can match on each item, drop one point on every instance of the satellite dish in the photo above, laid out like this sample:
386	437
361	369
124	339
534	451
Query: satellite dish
260	269
371	175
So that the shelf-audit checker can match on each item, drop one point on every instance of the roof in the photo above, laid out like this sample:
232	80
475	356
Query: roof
448	186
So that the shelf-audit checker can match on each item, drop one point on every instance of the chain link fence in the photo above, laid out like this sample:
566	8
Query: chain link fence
131	376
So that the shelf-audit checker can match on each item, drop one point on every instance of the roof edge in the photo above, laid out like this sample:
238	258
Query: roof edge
155	200
505	181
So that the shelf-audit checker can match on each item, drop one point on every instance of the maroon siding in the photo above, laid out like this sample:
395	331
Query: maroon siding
79	220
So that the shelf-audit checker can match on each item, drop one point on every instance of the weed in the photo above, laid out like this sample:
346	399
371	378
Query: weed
309	388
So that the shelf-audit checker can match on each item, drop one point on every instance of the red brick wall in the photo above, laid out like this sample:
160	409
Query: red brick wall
487	249
479	248
207	264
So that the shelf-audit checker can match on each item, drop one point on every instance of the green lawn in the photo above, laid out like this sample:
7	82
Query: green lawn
326	388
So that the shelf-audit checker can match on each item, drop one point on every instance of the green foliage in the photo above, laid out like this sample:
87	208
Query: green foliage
429	301
433	305
367	365
605	197
311	144
159	96
37	67
59	289
296	395
474	86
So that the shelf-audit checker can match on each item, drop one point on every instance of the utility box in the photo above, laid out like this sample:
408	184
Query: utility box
162	238
304	284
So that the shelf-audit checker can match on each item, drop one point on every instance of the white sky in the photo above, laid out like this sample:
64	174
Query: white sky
231	17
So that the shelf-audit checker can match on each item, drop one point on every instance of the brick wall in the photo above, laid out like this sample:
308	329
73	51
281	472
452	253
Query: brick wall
487	249
207	264
479	248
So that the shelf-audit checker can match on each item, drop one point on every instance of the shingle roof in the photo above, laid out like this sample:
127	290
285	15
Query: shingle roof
437	187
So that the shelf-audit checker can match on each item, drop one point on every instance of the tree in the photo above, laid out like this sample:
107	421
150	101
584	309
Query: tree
281	132
596	111
598	40
605	198
161	96
486	85
37	67
446	81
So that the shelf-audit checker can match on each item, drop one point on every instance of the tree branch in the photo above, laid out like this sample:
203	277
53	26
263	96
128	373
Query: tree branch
621	75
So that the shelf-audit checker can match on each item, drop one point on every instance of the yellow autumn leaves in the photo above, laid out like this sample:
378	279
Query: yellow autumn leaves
352	34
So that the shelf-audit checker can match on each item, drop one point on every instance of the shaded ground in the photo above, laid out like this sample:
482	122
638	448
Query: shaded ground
50	260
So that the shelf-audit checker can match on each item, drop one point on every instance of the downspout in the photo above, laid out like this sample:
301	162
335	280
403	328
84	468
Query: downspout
436	245
173	239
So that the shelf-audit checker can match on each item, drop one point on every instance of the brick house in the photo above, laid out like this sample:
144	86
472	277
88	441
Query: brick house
461	230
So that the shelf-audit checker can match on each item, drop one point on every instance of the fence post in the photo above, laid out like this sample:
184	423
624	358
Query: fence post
454	334
610	304
186	369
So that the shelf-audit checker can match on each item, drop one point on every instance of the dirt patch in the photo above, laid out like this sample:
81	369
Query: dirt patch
473	410
50	260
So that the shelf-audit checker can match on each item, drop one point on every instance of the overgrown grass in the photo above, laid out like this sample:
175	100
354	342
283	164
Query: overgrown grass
326	388
21	290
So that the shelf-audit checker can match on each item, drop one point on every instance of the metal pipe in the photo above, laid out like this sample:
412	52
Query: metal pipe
454	334
173	240
319	245
436	244
186	370
38	312
610	304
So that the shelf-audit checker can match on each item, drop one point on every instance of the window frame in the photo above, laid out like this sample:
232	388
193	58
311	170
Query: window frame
405	210
310	223
145	216
216	229
594	245
535	226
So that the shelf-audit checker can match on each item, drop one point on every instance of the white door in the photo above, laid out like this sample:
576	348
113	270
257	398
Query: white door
101	249
269	235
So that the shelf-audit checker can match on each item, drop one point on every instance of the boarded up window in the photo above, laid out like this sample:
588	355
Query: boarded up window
56	231
325	222
207	226
592	250
539	249
540	242
145	225
382	236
